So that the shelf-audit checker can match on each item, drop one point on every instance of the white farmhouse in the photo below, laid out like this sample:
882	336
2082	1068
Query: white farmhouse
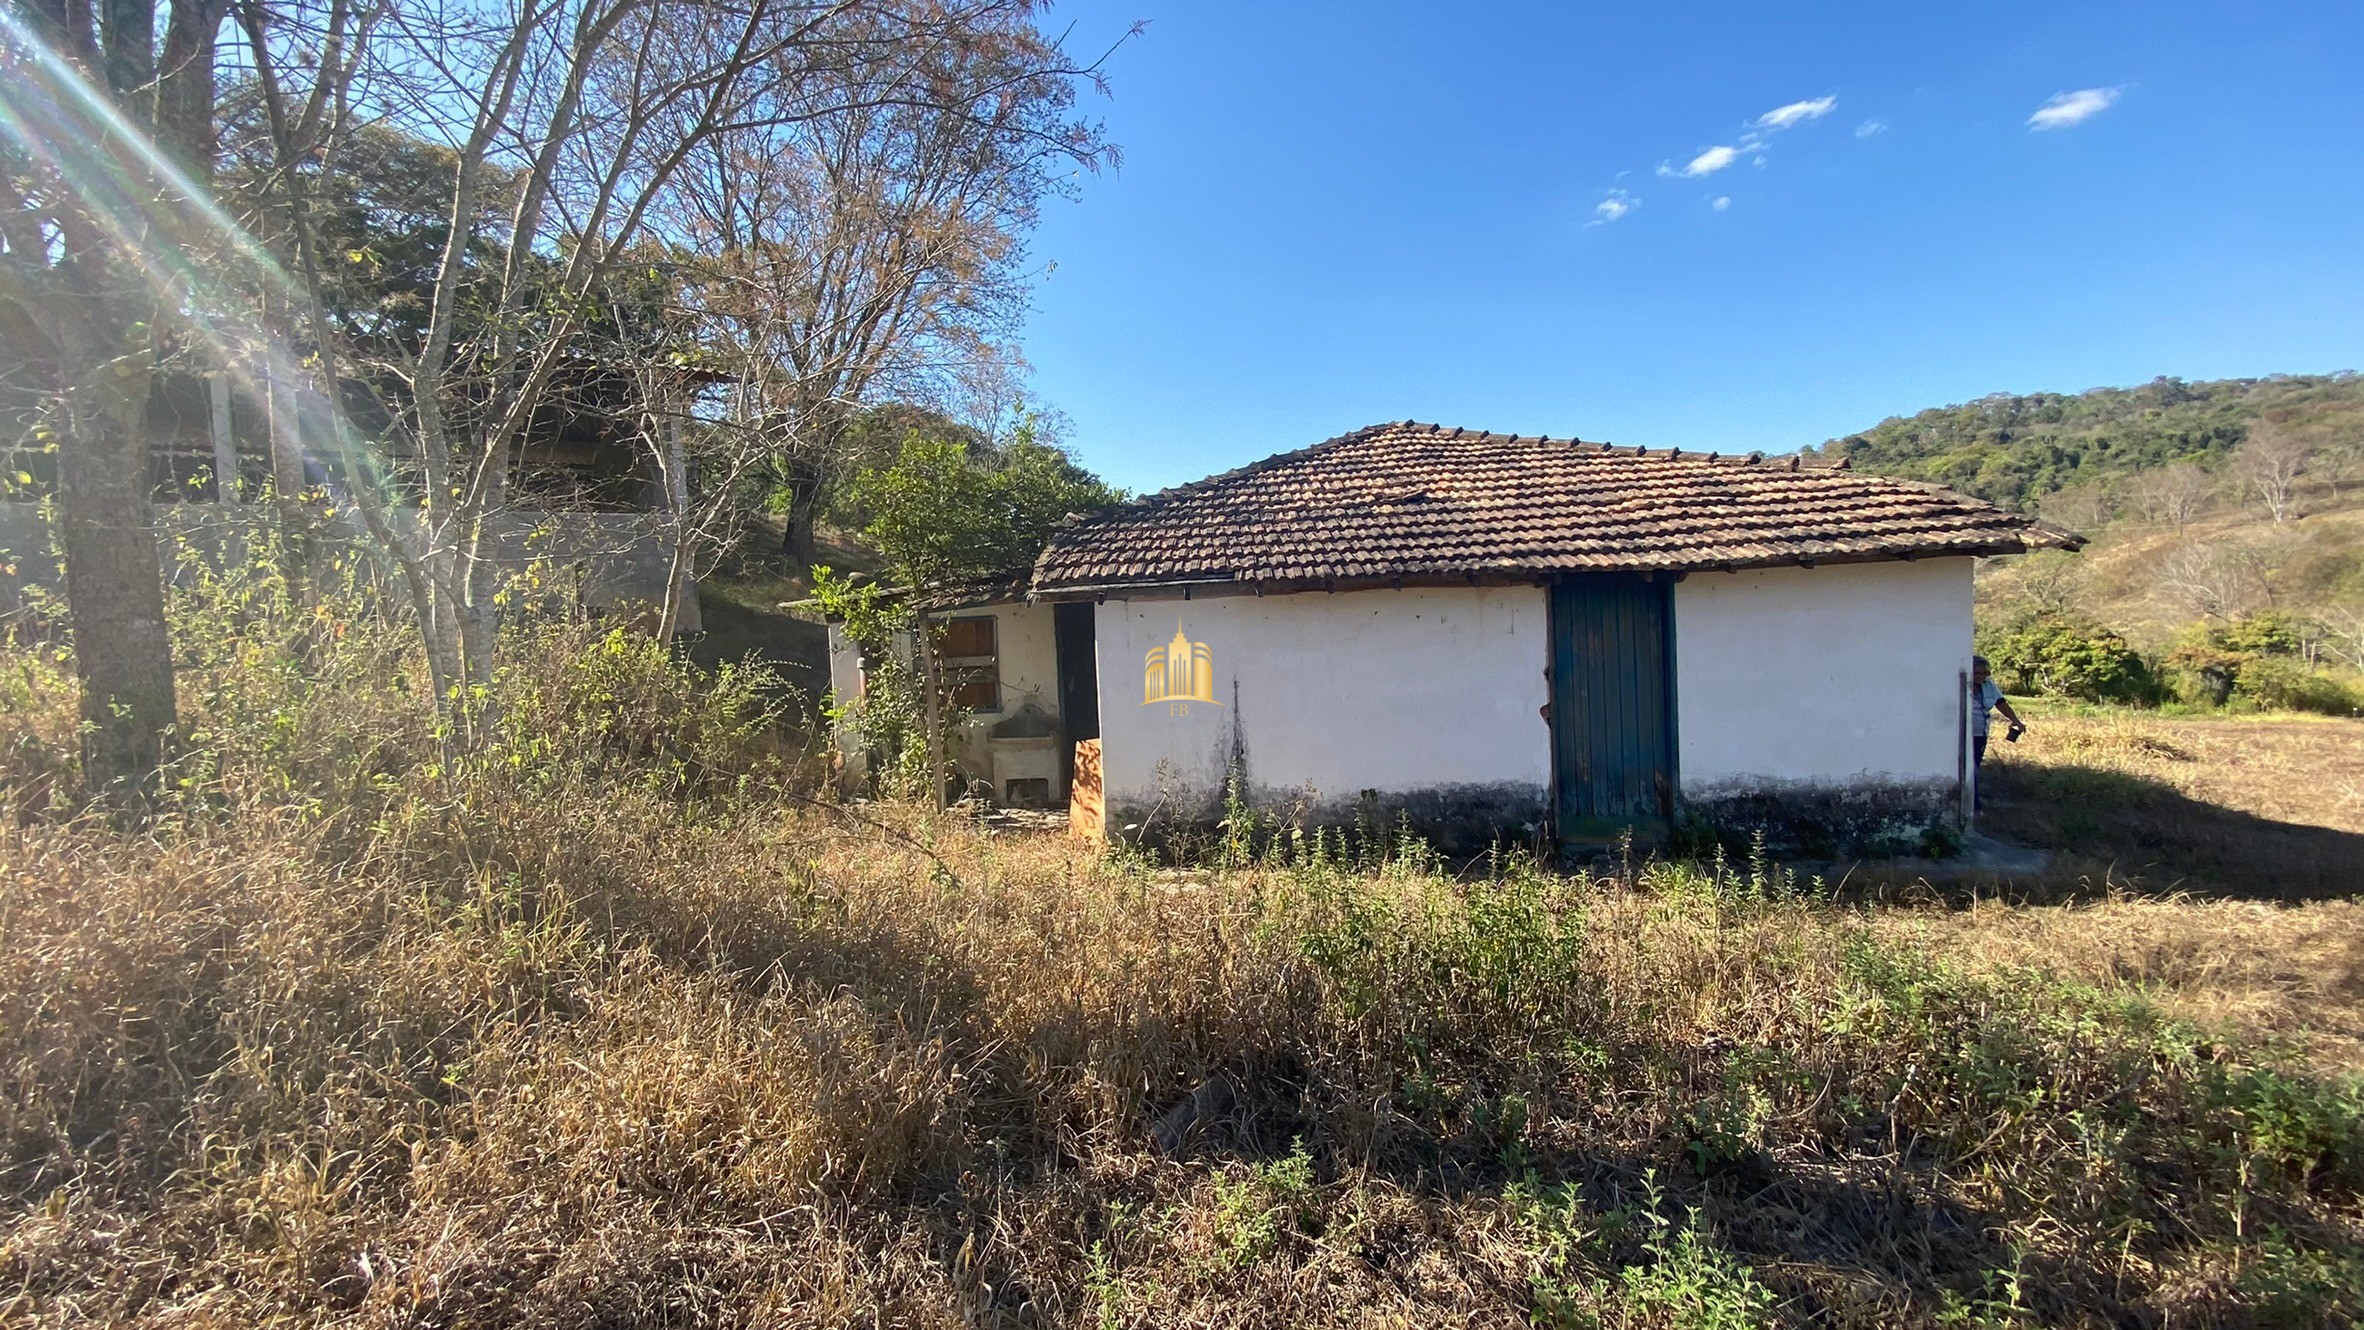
1492	634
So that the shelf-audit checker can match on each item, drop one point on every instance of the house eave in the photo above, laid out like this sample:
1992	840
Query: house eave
1510	575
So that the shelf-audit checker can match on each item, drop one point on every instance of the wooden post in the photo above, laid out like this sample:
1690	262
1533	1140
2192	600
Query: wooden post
929	686
287	438
1965	776
225	444
1086	806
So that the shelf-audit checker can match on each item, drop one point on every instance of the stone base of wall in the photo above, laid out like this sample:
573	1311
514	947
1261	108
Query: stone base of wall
1794	821
1883	820
1456	820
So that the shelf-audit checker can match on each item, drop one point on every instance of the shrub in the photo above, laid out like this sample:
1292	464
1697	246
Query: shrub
2067	657
2258	661
2279	683
2266	633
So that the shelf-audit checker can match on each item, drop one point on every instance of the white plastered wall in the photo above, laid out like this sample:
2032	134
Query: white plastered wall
1028	656
1331	694
1028	660
1844	675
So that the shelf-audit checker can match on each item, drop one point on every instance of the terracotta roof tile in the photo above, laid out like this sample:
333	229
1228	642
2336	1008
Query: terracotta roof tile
1422	501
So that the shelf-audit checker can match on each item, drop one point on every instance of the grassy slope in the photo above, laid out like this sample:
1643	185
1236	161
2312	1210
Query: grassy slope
2312	562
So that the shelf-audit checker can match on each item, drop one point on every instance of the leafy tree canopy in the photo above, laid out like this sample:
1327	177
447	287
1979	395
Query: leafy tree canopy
2014	449
942	511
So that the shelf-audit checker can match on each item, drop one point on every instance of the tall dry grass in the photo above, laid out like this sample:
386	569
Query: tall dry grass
606	1027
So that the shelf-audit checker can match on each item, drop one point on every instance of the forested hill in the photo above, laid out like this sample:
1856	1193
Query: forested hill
2015	449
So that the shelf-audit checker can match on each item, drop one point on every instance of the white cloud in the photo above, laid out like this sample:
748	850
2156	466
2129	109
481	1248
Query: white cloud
1616	205
1871	127
1722	202
1707	163
2072	108
1796	113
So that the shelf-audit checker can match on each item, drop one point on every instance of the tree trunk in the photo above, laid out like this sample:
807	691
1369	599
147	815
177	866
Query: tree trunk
677	526
677	579
114	586
185	88
99	347
797	539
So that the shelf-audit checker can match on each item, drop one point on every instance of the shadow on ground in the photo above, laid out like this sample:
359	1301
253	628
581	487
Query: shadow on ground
2112	828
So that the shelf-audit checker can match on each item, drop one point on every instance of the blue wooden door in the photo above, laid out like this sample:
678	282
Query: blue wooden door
1612	705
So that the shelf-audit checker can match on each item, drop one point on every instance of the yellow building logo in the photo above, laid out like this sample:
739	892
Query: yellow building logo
1179	673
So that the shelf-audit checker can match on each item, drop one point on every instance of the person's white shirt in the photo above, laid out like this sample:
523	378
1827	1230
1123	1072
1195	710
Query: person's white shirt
1984	694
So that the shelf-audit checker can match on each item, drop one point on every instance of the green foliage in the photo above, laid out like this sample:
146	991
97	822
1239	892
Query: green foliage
2013	450
1684	1278
1692	1282
2302	1287
1728	1126
2279	683
623	707
311	693
1509	943
887	721
2062	656
2256	662
2267	633
1255	1212
2018	1058
942	513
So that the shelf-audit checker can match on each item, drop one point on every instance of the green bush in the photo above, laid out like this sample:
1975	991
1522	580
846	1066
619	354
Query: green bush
2061	656
2266	633
2280	683
2257	662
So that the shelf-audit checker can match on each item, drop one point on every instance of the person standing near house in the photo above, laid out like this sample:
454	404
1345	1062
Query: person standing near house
1986	698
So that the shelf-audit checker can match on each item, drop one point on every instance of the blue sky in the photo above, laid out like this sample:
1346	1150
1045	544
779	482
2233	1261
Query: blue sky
1334	214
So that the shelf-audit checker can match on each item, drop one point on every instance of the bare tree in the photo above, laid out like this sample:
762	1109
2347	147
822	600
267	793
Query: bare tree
2270	465
565	126
880	253
2343	623
2173	494
2339	457
559	129
2215	580
2050	581
2085	507
704	459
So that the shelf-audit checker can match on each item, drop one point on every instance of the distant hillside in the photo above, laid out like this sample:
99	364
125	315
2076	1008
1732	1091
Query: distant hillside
2014	450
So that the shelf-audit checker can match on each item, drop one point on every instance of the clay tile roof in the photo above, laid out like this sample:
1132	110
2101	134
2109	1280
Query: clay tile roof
1422	501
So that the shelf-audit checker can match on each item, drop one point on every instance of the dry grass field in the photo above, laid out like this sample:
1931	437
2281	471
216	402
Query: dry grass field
2209	862
606	1026
2269	807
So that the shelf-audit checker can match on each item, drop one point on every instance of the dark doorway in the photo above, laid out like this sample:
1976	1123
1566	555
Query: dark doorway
1072	632
1612	711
